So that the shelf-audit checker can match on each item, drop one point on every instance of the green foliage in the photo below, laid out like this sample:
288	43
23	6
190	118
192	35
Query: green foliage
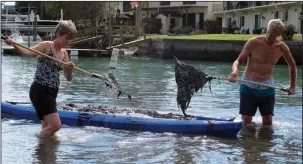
83	13
288	32
212	27
301	13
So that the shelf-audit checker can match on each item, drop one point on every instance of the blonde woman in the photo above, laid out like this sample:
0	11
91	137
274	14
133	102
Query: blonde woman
44	89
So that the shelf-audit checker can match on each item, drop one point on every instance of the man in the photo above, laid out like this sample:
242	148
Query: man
262	53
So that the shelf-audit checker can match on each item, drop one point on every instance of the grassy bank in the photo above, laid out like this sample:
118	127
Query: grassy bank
296	37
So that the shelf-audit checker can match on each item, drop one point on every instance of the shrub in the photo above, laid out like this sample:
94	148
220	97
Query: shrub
212	27
187	30
184	30
153	25
288	32
177	30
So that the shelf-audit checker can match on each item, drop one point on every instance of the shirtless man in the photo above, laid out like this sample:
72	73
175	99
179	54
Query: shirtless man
262	53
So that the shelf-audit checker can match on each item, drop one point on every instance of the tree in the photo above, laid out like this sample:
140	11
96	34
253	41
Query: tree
37	4
84	14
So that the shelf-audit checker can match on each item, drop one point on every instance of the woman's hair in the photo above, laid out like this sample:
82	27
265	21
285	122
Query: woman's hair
276	24
66	27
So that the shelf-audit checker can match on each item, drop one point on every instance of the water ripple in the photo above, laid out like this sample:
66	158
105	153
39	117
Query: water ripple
153	84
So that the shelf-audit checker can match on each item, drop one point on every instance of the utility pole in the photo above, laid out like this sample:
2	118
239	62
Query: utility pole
35	28
301	17
61	18
28	36
109	26
138	18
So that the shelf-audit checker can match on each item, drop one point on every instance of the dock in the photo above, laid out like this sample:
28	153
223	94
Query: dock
88	52
9	50
130	44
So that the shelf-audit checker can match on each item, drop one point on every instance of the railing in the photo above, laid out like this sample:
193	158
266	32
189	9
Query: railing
225	6
217	8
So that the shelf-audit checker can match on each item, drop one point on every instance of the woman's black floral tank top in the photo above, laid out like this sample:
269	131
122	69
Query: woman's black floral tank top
47	72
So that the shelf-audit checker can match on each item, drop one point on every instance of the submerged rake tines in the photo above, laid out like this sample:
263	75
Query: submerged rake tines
111	82
189	80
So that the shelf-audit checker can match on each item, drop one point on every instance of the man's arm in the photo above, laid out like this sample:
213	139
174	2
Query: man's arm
243	56
292	68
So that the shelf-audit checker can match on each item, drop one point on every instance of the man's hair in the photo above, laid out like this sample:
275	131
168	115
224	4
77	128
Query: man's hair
276	24
66	27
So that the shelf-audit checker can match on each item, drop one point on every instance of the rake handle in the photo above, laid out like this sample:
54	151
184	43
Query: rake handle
52	58
252	82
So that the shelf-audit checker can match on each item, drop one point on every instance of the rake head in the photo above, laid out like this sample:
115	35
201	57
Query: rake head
189	80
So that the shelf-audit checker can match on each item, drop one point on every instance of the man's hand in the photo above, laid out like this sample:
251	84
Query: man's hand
292	90
233	77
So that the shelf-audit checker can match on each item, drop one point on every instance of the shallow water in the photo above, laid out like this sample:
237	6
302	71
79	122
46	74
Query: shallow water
152	83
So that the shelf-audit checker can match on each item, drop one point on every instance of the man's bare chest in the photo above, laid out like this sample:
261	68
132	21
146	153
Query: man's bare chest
266	55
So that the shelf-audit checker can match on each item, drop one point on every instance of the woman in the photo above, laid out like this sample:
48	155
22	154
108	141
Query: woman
44	89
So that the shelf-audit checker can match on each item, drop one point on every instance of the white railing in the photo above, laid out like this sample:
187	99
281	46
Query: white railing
233	5
217	8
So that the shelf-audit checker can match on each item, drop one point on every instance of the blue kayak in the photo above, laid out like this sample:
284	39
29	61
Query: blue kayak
200	125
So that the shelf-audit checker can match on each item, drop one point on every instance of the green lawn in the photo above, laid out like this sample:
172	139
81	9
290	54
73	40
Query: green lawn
215	36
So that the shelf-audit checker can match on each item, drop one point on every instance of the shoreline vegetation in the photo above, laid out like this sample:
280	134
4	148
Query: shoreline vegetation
296	37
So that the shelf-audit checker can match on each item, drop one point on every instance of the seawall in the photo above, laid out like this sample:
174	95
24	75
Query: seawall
206	50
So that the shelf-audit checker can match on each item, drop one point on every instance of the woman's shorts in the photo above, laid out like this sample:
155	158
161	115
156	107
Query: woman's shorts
43	99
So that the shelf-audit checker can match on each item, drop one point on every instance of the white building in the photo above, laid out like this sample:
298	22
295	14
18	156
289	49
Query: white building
179	13
256	14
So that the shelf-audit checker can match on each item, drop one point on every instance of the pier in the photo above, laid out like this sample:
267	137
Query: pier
9	50
88	52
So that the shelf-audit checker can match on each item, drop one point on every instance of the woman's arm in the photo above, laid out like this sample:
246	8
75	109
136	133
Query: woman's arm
24	52
68	68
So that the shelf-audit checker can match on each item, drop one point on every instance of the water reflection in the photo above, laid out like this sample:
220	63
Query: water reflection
256	142
46	149
182	150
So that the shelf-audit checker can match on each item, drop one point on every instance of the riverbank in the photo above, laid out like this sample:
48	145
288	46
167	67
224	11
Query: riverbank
296	37
205	49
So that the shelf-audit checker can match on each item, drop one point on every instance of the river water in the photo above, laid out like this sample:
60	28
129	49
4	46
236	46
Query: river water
152	83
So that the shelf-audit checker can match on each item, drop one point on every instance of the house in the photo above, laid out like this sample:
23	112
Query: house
254	15
178	13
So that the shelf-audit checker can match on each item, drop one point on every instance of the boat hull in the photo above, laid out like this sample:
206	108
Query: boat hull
218	127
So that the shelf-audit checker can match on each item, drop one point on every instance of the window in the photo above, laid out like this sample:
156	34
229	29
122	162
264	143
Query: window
241	21
126	6
276	15
228	22
258	3
189	2
164	3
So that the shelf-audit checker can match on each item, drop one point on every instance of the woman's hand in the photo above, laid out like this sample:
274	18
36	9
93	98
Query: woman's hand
69	65
9	41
